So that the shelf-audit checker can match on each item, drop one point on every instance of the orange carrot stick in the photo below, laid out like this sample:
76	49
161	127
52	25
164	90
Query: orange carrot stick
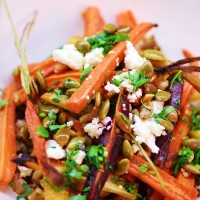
104	69
93	21
126	18
173	188
39	142
8	137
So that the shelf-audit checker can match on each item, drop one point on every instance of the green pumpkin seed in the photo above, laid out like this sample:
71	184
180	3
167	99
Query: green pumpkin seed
34	86
98	99
86	118
122	167
62	117
194	134
62	136
104	109
173	116
191	168
127	149
74	141
148	69
46	108
162	96
69	92
124	29
167	124
150	88
152	54
147	97
82	46
146	110
40	78
70	83
193	143
109	28
46	122
25	135
122	123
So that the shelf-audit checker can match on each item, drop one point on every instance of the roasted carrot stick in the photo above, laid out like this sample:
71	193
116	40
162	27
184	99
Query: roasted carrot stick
39	142
104	69
8	137
126	18
173	188
93	21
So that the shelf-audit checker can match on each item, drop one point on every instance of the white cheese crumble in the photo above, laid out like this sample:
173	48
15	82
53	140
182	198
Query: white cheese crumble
157	106
94	57
185	173
54	150
70	123
127	85
111	87
69	56
24	171
132	59
95	128
134	96
78	158
146	132
106	120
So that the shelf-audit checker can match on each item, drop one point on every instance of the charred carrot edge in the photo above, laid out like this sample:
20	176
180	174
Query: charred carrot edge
126	18
8	137
39	142
173	188
104	69
93	21
55	81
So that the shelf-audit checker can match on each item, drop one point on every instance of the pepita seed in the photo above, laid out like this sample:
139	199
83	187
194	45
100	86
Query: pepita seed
109	28
122	167
69	92
150	88
62	118
193	143
194	134
62	136
148	69
191	168
167	124
34	86
74	141
104	109
173	116
122	123
70	83
124	29
98	99
86	118
40	78
46	108
82	46
152	54
162	96
46	122
127	149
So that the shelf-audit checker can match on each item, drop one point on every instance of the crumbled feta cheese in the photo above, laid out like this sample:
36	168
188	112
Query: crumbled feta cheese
134	96
78	158
24	171
146	132
127	85
185	173
117	61
69	56
94	129
106	120
70	123
157	106
20	123
88	97
94	57
135	148
111	87
54	150
132	59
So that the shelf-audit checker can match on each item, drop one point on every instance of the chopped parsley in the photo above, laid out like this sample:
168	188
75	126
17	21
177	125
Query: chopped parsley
51	115
184	155
56	126
85	72
96	155
163	114
195	119
106	40
78	197
58	92
183	119
42	131
126	119
143	168
28	192
3	103
87	189
177	78
129	187
72	170
196	160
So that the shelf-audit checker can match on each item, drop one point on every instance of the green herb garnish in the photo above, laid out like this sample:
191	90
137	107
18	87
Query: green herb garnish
126	119
28	192
143	168
16	72
96	155
163	114
78	197
177	78
106	41
3	103
85	72
43	131
55	127
129	187
195	119
184	155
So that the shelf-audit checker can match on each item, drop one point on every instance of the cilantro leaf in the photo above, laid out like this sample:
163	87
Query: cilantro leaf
3	103
143	168
58	92
106	40
177	78
184	155
78	197
42	131
28	190
129	187
56	127
96	154
195	118
85	72
163	114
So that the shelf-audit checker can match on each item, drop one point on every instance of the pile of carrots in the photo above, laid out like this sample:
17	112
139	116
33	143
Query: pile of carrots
180	188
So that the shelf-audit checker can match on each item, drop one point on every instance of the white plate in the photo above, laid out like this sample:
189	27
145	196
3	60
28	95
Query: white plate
179	27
